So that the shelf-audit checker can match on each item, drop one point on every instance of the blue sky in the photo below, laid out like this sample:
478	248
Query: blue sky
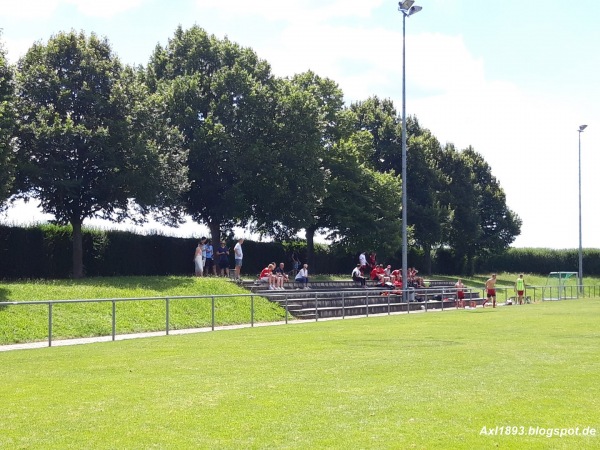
514	79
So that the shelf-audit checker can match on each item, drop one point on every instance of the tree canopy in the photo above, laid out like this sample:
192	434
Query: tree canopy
91	142
7	126
207	130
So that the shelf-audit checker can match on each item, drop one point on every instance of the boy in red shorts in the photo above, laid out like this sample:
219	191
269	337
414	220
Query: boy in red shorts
490	287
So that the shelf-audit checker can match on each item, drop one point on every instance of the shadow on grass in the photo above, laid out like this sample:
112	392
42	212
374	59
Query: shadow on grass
3	297
157	283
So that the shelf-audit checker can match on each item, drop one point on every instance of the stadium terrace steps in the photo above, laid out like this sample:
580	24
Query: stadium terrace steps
344	298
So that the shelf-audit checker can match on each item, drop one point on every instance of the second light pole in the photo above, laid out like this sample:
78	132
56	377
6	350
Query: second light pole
581	128
407	8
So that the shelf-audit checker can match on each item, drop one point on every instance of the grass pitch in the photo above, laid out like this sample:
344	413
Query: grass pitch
495	378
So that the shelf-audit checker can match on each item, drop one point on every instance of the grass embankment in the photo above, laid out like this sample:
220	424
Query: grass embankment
435	380
29	323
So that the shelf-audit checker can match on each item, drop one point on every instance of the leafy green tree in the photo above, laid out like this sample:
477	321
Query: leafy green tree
427	213
480	223
362	206
292	184
499	224
462	198
332	123
380	118
227	105
92	141
7	125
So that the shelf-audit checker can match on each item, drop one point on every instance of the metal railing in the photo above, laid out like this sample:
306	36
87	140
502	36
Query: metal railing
113	301
425	299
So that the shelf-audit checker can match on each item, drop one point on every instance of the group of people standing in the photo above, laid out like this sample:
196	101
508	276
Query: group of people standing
208	262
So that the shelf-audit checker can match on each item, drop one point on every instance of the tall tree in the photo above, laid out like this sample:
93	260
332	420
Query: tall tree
292	179
499	224
462	199
427	213
92	142
332	123
7	125
363	205
222	98
481	222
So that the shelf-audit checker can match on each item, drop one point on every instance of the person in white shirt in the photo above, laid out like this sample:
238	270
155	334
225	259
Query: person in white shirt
302	276
198	259
239	255
362	260
358	276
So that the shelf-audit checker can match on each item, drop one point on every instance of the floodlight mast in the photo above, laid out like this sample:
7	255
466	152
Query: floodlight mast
581	128
407	8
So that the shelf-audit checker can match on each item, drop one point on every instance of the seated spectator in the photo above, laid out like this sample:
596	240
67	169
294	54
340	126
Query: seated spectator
378	273
281	276
266	275
302	276
387	273
358	277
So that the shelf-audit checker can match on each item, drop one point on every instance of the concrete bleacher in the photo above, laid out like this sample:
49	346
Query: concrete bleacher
347	298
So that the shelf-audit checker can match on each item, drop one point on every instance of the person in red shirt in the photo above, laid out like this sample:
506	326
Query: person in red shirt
266	276
378	273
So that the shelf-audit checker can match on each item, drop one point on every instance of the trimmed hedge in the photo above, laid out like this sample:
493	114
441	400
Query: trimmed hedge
45	251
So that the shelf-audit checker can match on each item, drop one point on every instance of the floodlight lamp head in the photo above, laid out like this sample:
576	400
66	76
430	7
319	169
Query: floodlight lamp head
405	4
414	9
582	127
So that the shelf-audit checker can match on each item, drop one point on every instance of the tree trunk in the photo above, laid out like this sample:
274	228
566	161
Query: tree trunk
77	250
427	261
310	246
215	233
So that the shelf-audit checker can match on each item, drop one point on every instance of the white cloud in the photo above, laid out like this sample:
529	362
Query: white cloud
293	11
28	9
44	9
104	8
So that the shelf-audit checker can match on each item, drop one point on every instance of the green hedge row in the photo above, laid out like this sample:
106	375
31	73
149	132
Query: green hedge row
45	251
543	261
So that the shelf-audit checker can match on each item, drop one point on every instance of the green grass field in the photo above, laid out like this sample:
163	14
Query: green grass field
30	323
435	380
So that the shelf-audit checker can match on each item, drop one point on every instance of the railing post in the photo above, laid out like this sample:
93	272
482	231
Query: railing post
343	306
252	311
286	309
405	296
316	306
167	316
114	319
367	303
49	324
212	313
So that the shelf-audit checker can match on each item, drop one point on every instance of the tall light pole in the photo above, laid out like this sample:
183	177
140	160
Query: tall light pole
407	8
581	128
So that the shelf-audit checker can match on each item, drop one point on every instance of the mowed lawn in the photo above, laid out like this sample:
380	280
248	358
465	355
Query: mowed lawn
424	380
